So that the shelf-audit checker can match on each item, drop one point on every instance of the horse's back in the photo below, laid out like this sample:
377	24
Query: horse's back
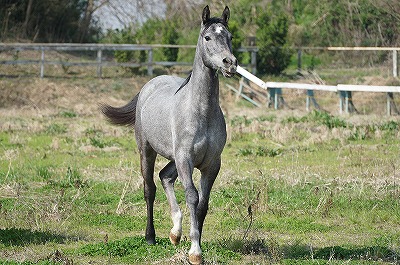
160	86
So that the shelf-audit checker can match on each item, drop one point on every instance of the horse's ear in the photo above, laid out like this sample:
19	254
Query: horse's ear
226	14
206	14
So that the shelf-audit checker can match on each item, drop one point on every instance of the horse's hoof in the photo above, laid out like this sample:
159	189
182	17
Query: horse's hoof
150	240
174	239
195	259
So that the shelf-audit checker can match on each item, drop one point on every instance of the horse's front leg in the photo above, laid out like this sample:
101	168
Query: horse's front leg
208	176
185	170
168	176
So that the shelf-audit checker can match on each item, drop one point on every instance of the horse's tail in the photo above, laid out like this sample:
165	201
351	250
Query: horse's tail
124	115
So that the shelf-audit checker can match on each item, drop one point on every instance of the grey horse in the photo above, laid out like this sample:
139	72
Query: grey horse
181	120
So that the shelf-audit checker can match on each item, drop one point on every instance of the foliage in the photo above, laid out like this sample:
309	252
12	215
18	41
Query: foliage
237	39
170	35
148	33
44	21
320	117
272	40
24	237
344	23
136	249
122	37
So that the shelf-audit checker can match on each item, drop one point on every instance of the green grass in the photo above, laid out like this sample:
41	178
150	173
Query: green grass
312	189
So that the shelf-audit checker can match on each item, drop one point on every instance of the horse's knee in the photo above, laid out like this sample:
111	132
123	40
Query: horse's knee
192	196
202	209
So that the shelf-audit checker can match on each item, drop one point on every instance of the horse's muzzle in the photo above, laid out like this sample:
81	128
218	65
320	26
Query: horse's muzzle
230	64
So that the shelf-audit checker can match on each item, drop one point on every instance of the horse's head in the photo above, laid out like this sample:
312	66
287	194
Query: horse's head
216	43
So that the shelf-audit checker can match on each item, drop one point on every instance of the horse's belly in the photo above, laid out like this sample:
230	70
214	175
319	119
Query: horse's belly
158	133
155	104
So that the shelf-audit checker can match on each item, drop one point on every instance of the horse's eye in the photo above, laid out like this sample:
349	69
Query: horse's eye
207	38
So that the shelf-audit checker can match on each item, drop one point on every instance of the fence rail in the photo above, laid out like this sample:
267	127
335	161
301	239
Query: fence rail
329	88
99	63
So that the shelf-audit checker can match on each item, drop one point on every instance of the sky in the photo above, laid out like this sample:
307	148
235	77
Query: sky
119	14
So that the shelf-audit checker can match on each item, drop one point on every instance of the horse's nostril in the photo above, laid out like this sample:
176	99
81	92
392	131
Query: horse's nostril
227	61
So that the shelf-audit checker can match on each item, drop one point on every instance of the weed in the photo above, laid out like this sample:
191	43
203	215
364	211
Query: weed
240	120
97	142
56	128
293	119
71	179
93	131
24	237
136	249
68	114
390	126
259	151
359	253
245	151
319	117
44	262
270	118
44	173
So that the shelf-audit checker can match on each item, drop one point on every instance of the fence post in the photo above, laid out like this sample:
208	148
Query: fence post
99	68
240	91
310	95
276	104
395	72
254	62
347	103
42	64
299	60
150	63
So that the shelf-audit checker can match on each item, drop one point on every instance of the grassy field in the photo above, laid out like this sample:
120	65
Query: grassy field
294	188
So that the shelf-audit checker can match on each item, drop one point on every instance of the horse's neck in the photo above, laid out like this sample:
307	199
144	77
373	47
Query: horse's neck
204	85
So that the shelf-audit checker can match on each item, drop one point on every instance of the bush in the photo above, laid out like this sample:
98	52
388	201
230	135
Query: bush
272	39
170	36
237	39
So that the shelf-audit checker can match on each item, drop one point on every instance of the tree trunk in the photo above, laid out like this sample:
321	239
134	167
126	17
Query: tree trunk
86	20
27	17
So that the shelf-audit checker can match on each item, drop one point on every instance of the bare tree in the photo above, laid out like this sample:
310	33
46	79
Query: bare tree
129	13
27	17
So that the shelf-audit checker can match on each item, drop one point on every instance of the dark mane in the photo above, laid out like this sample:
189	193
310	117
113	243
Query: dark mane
184	82
214	20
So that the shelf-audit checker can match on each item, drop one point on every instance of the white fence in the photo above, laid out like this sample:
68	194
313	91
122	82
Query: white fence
338	88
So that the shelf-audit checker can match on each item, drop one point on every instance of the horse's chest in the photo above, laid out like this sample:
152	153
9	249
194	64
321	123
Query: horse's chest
209	145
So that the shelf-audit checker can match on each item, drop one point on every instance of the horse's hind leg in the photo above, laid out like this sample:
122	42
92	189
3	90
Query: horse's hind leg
168	176
147	159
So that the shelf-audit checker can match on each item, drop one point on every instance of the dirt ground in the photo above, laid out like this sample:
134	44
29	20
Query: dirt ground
48	96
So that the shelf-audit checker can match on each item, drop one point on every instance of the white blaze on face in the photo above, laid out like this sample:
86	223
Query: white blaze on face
218	29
